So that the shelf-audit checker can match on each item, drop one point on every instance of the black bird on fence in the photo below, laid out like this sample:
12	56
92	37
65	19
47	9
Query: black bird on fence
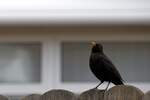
102	67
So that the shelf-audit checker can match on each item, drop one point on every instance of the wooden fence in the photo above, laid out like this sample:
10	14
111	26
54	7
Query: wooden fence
121	92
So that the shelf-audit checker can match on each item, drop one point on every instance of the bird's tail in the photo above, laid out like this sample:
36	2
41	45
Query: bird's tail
119	83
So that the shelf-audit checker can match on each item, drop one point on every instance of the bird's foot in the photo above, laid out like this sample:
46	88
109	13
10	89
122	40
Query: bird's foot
95	88
105	90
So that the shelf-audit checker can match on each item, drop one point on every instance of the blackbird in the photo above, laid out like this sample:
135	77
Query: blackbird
102	67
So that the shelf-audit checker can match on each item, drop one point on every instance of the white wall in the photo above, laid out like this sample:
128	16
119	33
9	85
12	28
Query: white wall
73	4
73	11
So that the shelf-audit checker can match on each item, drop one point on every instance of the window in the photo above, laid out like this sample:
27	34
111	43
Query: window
20	62
132	59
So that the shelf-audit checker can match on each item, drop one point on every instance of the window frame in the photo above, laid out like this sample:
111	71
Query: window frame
46	65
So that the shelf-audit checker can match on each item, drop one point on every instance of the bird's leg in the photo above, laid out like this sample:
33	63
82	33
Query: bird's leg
98	85
107	86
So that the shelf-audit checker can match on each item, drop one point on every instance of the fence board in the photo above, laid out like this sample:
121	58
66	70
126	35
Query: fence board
123	92
3	97
58	95
120	92
92	94
32	97
147	96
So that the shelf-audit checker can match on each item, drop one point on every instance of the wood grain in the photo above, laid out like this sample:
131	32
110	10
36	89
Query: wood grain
92	94
58	95
32	97
120	92
123	92
147	96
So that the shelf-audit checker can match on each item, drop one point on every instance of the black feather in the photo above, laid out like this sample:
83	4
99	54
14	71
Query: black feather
102	67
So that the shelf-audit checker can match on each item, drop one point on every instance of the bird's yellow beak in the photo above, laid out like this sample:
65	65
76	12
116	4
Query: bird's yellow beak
93	43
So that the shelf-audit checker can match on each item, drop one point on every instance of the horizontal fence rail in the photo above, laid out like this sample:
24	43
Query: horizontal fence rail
120	92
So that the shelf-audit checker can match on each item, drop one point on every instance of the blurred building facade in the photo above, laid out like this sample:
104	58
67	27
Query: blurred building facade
48	47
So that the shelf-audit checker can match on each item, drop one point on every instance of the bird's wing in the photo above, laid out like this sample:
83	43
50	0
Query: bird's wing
109	67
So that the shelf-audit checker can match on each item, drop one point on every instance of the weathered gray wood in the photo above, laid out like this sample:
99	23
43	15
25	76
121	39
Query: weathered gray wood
3	97
123	92
58	95
92	94
32	97
147	96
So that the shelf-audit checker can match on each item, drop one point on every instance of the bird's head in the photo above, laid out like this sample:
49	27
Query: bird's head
97	47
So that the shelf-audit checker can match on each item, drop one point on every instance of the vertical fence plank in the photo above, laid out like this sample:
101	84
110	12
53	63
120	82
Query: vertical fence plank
3	97
32	97
147	96
58	95
93	94
123	92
